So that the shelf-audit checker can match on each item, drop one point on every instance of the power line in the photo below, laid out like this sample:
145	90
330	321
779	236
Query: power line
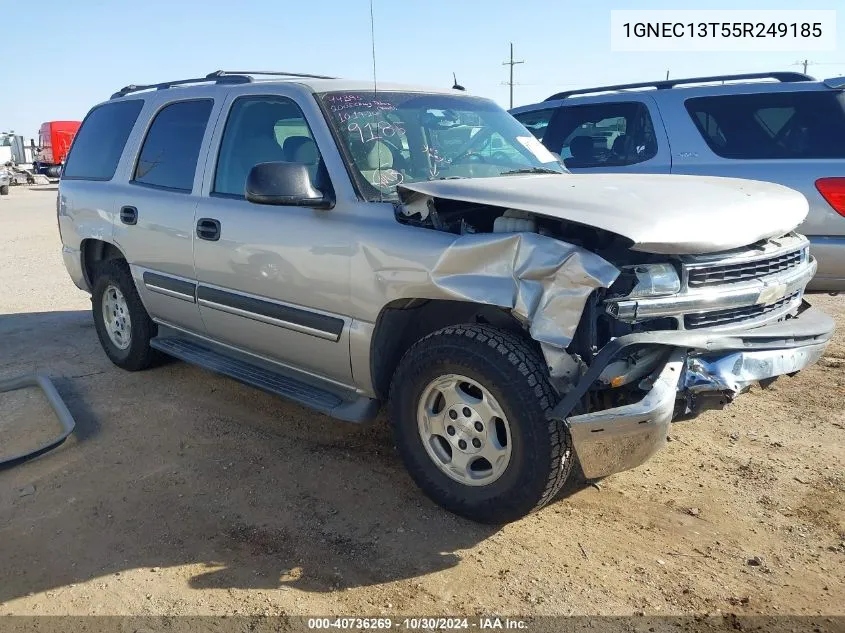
512	63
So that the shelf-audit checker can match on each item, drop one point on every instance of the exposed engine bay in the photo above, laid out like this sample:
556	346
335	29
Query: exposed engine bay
462	218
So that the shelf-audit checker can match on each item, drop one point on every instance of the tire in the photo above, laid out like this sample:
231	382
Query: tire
512	372
135	352
54	171
4	190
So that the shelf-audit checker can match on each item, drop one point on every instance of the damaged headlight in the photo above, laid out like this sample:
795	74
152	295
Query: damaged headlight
653	280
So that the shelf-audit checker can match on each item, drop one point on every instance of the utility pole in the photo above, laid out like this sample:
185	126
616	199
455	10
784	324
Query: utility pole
804	63
512	63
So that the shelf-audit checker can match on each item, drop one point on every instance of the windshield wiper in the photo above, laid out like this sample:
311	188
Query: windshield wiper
531	170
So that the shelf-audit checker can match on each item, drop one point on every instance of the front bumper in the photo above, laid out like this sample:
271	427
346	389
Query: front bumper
700	365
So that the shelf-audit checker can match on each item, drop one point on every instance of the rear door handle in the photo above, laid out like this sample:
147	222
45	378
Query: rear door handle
208	229
129	215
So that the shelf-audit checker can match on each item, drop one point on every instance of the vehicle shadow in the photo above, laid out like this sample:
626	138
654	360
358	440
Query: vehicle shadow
177	467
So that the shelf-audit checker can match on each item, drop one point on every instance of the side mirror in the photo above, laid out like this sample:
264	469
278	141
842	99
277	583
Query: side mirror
287	184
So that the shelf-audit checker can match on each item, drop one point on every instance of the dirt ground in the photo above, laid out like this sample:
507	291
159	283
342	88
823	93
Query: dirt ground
182	492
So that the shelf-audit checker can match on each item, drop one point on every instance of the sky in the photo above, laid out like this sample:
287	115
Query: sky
69	55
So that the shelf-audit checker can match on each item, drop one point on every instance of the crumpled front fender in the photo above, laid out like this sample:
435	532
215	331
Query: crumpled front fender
544	282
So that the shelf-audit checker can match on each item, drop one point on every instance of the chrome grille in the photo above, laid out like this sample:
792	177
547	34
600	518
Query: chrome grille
729	273
729	290
736	315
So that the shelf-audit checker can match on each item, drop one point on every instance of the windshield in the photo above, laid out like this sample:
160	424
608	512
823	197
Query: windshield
393	138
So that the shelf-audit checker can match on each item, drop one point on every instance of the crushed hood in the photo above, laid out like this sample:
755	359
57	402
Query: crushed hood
668	214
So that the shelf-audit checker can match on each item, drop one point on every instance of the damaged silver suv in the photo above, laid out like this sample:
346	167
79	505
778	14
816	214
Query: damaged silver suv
344	248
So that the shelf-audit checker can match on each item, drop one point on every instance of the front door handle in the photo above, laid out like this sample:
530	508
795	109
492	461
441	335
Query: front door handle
129	215
208	229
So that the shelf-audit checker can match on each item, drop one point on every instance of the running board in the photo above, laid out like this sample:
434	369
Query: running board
350	407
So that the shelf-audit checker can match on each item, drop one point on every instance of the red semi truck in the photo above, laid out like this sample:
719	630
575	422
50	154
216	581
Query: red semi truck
54	139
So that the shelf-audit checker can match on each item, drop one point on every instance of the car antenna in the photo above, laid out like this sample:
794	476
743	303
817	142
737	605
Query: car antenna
456	85
373	42
375	94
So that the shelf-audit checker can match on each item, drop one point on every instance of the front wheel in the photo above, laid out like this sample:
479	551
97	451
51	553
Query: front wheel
468	406
4	190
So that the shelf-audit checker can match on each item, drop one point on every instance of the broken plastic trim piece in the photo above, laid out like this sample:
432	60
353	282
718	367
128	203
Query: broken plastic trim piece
63	415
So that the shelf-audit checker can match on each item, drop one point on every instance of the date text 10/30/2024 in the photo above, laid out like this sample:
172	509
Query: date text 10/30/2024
423	623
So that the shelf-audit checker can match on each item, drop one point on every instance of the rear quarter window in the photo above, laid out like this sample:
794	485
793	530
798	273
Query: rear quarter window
171	149
100	141
783	125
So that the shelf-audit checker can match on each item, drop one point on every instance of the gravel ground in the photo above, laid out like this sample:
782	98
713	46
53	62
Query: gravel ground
182	492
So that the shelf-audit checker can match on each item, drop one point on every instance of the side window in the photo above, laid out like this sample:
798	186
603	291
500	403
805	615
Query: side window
100	141
536	122
262	129
790	125
710	127
604	135
171	150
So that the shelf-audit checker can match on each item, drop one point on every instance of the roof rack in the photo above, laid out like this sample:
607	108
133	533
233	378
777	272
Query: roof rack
835	82
785	76
217	77
278	73
227	79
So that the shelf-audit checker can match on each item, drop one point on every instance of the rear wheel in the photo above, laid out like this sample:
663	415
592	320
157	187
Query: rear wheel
4	190
468	406
123	325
